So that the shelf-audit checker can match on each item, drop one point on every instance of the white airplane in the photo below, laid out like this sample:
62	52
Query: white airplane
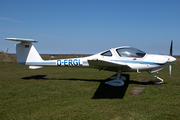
120	59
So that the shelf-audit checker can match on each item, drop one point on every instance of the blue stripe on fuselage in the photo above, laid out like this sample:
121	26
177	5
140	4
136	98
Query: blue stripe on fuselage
138	62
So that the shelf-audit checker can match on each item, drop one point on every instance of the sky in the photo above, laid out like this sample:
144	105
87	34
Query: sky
91	26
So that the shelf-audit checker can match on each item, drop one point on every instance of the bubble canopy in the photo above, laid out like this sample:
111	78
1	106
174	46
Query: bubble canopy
130	52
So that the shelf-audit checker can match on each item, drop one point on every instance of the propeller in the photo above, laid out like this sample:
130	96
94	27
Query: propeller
170	67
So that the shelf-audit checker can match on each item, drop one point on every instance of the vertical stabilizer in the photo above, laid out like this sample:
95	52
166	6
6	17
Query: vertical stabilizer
25	52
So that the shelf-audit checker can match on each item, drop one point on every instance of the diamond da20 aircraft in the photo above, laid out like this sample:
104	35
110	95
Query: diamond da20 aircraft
120	59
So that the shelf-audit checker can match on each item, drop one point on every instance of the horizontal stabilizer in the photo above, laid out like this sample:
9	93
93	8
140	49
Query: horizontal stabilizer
21	40
35	67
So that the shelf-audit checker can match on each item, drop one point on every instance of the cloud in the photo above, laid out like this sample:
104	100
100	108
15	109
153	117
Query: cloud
8	19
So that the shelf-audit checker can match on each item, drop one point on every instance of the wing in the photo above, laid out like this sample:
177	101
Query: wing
108	65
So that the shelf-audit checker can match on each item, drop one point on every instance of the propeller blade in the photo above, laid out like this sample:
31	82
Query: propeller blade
170	67
171	48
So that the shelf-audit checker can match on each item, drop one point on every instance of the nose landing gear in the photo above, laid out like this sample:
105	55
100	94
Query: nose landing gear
158	81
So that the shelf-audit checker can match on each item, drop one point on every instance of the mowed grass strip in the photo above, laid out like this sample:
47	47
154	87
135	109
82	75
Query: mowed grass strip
67	93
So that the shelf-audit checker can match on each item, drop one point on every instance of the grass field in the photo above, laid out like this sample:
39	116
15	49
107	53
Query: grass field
80	93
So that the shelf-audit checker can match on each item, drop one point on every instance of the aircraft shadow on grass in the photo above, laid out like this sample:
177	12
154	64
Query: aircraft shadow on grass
103	91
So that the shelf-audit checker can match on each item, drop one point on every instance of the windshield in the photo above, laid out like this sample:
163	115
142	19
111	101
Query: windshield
130	52
107	53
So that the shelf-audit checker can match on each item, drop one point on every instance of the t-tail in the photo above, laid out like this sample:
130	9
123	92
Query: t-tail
26	53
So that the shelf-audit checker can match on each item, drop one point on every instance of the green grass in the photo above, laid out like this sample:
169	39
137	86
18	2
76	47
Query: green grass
80	93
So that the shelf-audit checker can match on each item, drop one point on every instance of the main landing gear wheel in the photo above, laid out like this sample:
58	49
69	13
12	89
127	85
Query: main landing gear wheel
118	80
157	82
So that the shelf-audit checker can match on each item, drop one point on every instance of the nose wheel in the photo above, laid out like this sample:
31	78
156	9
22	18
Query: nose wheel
157	82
